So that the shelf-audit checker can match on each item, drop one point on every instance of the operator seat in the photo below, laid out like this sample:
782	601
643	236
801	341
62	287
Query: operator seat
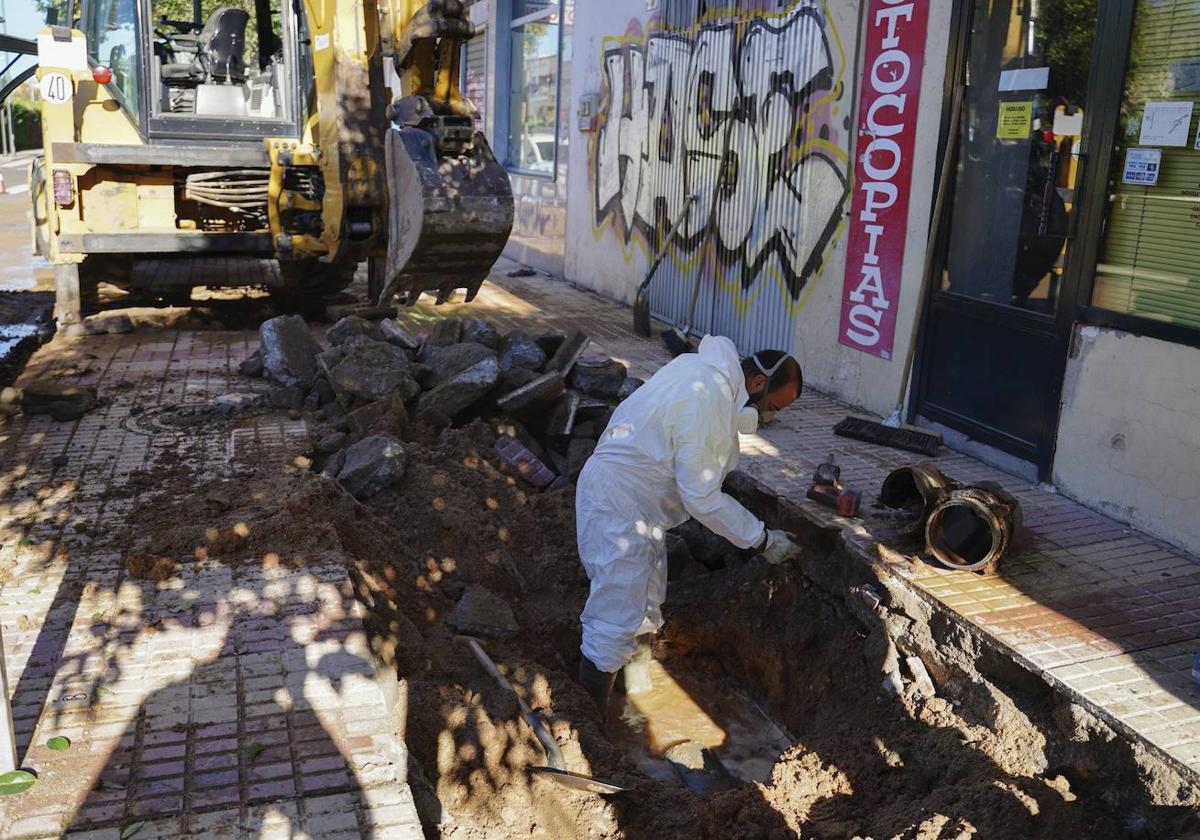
222	52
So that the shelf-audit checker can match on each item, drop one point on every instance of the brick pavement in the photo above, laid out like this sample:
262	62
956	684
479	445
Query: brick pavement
1104	612
238	699
232	721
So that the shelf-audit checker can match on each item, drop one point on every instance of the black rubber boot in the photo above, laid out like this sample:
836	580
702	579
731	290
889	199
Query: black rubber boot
598	684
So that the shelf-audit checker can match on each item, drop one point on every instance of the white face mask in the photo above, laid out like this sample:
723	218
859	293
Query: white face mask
747	421
766	416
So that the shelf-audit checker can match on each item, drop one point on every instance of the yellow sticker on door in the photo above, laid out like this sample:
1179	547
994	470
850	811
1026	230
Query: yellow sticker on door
1013	122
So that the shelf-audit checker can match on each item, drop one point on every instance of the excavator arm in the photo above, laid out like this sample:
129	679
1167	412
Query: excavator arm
410	178
450	206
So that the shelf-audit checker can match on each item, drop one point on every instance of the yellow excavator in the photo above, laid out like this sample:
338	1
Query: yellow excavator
268	128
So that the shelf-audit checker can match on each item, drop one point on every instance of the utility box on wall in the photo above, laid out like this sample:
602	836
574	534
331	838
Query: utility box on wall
586	112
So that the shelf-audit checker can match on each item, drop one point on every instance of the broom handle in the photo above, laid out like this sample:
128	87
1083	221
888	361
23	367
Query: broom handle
939	202
662	252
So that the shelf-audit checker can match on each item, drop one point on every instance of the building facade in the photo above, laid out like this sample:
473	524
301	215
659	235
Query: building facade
1008	190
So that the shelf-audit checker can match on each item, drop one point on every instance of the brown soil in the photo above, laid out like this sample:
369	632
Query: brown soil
861	766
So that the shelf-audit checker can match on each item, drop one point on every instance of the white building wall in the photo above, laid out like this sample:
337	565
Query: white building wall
1129	436
599	255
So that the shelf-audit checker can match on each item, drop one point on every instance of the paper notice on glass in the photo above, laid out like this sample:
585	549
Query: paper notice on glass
1027	78
1141	167
1166	123
1013	121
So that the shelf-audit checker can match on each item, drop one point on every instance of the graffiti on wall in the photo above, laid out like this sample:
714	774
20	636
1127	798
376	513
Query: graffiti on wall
755	95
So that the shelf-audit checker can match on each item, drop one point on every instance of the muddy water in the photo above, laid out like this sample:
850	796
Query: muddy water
682	706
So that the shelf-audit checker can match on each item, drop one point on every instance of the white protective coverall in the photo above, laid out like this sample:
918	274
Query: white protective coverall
663	458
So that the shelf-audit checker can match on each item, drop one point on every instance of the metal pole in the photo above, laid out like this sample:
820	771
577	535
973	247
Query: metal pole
8	141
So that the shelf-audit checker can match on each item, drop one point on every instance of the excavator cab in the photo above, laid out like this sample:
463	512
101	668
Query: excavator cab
265	127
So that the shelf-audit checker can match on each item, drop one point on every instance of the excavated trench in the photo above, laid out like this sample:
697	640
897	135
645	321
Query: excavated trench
779	671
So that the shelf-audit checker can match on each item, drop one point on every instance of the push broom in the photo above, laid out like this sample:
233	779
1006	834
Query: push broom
889	432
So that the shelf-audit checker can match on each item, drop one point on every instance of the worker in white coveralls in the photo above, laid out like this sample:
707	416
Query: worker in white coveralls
662	459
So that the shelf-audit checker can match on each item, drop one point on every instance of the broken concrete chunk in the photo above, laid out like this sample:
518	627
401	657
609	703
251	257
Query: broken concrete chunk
631	384
353	325
285	396
449	361
374	371
598	376
594	411
568	352
334	465
110	324
330	358
393	333
322	391
425	375
372	465
550	342
252	365
446	331
578	452
479	331
523	462
545	389
62	402
289	351
562	421
519	350
331	442
517	377
371	416
458	393
481	612
226	404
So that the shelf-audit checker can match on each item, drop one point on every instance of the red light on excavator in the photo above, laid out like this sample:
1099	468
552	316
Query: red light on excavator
101	74
64	188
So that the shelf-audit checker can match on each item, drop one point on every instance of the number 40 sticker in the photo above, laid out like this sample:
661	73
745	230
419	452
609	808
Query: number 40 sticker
55	87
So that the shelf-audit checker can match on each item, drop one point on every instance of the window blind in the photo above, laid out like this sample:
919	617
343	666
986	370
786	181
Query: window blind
1150	260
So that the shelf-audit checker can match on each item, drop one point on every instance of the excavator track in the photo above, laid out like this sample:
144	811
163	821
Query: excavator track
449	215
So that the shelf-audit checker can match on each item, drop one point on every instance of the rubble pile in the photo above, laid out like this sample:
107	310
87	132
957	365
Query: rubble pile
374	383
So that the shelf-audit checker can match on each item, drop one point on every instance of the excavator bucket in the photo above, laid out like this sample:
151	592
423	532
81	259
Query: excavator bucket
449	215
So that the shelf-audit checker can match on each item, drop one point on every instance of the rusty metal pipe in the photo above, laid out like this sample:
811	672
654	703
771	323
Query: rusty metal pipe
922	484
972	528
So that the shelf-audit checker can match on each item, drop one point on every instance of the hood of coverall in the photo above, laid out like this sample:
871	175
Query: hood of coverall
720	352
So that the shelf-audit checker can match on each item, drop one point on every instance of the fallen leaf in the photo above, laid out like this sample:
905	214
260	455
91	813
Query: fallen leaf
59	743
131	829
254	750
102	691
16	781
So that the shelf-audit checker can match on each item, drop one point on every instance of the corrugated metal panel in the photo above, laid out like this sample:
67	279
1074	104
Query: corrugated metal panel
752	81
474	76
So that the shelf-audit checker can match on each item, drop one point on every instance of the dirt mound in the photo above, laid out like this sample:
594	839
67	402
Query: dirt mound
860	765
